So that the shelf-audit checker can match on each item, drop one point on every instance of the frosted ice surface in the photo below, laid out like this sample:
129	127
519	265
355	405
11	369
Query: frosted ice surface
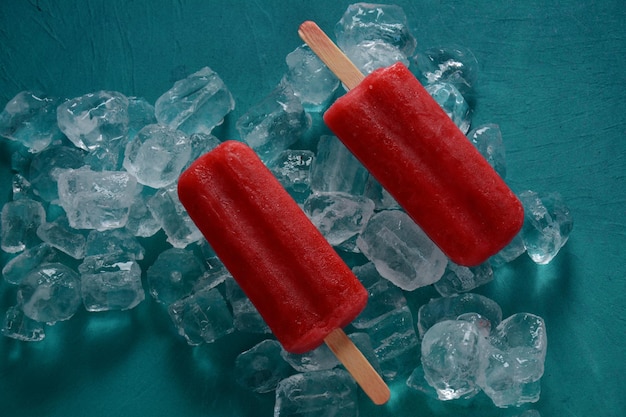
451	358
202	316
94	119
116	241
96	199
375	22
292	168
451	64
395	342
330	393
449	308
110	282
452	102
261	367
488	140
195	104
514	361
46	167
370	55
339	216
274	124
157	155
17	326
384	297
19	222
141	222
309	78
173	275
246	316
172	217
547	225
21	187
31	119
401	251
60	235
50	293
335	168
458	279
18	267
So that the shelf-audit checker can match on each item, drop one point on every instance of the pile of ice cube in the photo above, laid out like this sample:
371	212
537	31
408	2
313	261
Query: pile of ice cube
95	176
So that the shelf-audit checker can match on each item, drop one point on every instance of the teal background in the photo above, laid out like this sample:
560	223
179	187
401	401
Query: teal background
551	75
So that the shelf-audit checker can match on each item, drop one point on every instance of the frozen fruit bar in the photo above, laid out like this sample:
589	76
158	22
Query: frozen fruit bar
410	145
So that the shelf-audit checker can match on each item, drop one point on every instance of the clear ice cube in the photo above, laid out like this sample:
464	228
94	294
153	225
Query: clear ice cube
50	293
401	251
18	267
96	199
19	222
195	104
453	103
459	279
157	155
173	275
455	65
31	119
17	326
94	119
172	217
246	316
202	317
488	140
335	168
60	235
46	167
292	168
339	216
261	367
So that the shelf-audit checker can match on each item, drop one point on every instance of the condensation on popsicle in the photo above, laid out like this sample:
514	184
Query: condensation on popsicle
295	279
410	145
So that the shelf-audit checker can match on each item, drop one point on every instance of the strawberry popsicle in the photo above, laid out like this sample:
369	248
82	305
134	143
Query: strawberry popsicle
295	279
410	145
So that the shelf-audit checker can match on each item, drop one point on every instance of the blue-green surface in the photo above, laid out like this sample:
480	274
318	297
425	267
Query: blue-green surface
551	75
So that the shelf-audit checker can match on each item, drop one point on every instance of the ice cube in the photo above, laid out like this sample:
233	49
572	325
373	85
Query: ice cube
330	393
172	217
31	119
371	22
261	367
339	216
510	252
309	78
50	293
173	275
96	200
195	104
17	268
110	282
46	167
140	114
547	225
274	124
401	251
157	155
60	235
17	326
246	316
201	143
370	55
449	308
292	168
451	64
458	279
19	222
202	317
335	168
488	140
113	242
95	119
451	358
384	297
141	222
452	102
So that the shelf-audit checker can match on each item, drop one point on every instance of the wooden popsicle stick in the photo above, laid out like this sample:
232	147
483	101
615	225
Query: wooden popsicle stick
330	54
358	366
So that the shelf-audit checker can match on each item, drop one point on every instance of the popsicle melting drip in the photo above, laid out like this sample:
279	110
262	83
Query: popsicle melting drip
295	279
410	145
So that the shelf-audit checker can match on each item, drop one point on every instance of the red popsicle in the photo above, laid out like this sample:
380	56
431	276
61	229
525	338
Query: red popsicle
410	145
298	283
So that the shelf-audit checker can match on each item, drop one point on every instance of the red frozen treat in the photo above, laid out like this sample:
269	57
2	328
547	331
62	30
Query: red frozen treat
417	153
295	279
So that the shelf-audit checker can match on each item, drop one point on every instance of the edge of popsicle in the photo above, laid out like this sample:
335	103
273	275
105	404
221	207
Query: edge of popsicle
330	54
